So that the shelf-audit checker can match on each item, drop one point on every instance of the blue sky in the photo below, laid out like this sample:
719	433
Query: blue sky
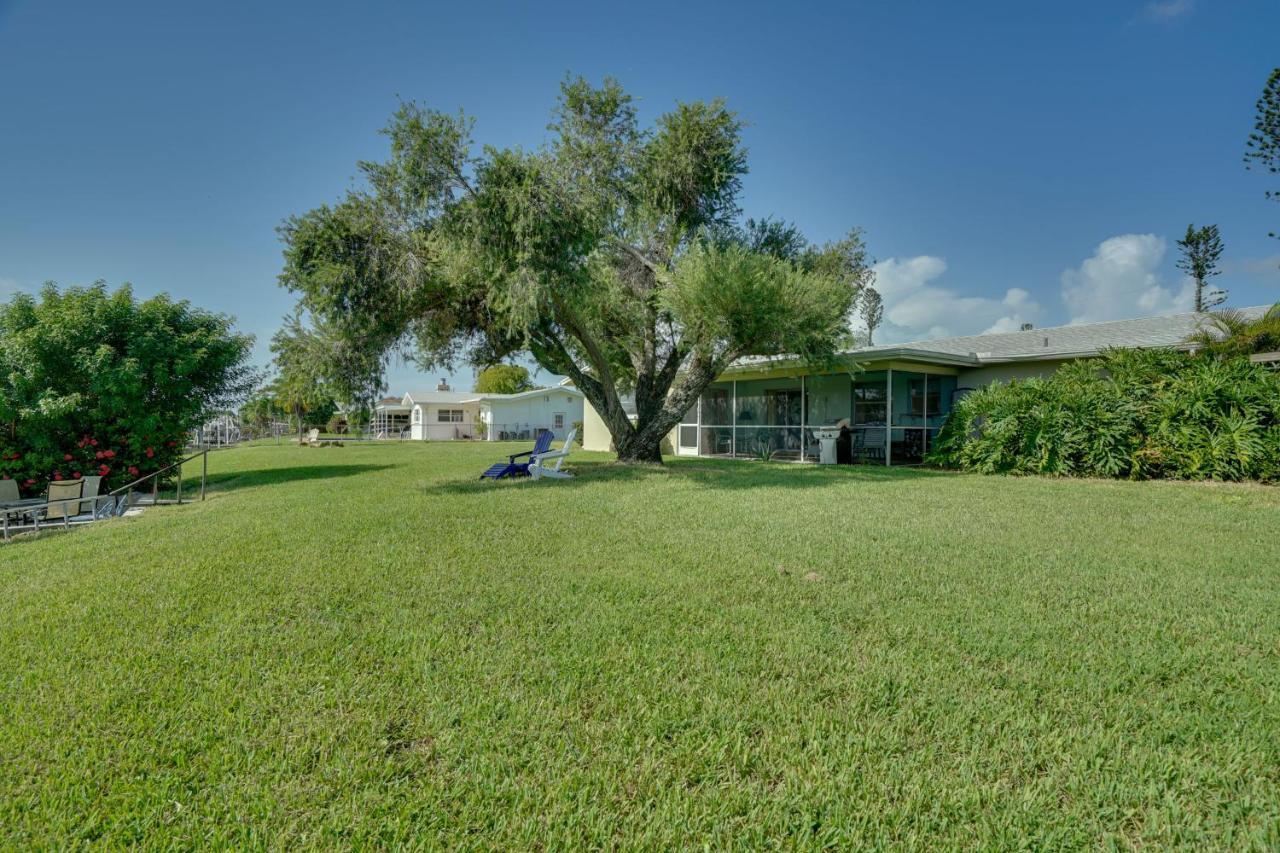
1010	161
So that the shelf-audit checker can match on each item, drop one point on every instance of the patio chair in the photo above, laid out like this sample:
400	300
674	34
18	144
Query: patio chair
538	467
90	490
9	491
868	445
512	468
313	437
58	503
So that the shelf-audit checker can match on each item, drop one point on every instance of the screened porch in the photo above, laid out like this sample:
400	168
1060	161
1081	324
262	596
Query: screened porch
893	416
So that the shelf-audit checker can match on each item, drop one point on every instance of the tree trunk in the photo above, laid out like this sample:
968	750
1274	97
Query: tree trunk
640	449
641	442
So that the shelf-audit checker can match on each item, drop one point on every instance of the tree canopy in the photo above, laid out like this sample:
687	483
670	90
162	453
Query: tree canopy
1201	248
504	379
614	254
304	385
97	383
1263	148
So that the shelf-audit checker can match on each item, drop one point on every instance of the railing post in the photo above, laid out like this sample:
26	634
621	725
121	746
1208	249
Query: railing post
179	484
204	471
155	490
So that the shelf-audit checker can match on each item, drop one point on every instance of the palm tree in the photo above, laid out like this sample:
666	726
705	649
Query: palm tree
1233	333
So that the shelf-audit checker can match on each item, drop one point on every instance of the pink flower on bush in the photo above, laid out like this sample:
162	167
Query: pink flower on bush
104	470
110	454
66	457
133	470
57	475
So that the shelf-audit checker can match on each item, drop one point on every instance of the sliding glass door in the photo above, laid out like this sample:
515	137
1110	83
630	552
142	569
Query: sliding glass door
919	403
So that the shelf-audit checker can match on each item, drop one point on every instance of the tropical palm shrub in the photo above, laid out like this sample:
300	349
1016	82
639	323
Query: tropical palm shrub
1134	414
1230	333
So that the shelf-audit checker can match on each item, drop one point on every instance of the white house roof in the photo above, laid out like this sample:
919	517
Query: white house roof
427	398
556	389
424	398
1055	342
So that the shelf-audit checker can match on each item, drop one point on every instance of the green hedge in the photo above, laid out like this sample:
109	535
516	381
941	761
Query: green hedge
94	382
1134	414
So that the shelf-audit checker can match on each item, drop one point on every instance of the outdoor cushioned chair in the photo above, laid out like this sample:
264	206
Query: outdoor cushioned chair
538	467
512	468
60	491
90	490
9	491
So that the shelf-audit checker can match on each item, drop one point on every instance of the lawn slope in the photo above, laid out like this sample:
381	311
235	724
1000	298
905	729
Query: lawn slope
366	645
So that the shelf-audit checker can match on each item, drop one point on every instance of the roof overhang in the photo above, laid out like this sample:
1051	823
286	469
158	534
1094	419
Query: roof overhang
784	362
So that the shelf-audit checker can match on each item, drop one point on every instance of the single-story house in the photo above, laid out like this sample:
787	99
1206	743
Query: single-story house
444	415
896	401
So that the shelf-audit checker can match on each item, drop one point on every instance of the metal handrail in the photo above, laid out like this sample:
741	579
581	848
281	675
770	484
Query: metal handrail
114	495
155	482
34	510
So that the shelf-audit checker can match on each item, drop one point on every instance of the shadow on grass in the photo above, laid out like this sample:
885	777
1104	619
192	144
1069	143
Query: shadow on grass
231	480
723	474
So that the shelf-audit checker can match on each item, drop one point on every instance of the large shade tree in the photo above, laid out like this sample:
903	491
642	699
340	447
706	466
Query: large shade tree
614	254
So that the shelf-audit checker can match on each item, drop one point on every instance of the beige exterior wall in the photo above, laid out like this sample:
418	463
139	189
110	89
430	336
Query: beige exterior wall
595	435
980	376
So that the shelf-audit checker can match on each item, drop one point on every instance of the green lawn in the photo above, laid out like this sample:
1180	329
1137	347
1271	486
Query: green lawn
365	645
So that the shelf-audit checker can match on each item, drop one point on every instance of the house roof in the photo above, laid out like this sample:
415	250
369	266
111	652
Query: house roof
424	398
1055	342
555	389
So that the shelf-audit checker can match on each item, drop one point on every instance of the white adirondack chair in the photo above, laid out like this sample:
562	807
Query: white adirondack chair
538	467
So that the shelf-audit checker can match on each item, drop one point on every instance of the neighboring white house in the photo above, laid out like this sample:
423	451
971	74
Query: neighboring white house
454	415
524	415
442	415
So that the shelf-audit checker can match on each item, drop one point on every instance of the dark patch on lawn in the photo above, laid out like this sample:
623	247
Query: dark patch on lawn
722	474
272	476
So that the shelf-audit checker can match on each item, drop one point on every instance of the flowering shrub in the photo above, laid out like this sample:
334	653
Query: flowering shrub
94	383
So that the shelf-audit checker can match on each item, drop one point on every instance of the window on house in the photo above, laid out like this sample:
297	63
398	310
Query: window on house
557	420
449	416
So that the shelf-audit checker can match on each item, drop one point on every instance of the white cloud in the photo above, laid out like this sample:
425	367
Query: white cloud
1263	268
915	308
1122	280
1166	10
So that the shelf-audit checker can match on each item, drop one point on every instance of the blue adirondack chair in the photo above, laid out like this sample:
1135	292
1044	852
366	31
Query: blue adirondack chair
512	468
